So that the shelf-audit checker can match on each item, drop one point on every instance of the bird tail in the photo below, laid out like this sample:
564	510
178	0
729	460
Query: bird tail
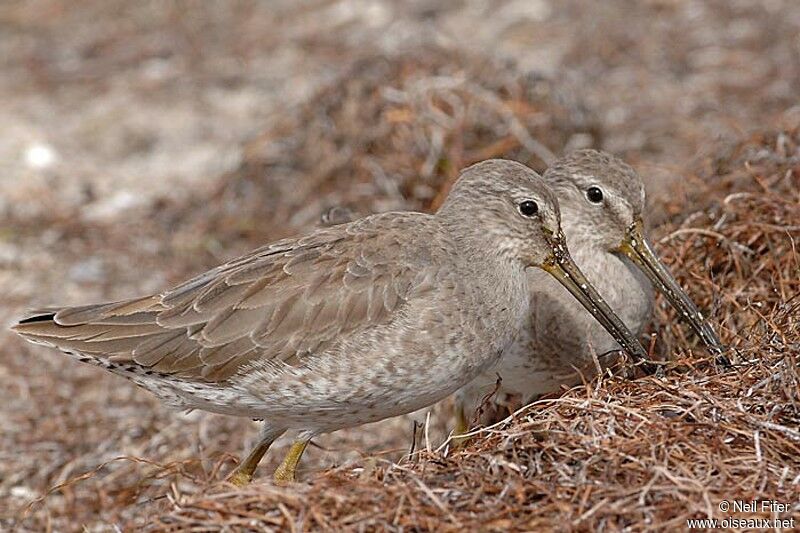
108	329
106	335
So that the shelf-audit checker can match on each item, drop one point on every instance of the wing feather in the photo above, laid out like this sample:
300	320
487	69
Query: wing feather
282	302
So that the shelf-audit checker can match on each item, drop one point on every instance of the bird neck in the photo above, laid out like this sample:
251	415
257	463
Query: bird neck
483	254
620	283
480	254
581	236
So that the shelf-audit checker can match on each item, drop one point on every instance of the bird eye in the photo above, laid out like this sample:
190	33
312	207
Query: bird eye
594	195
528	208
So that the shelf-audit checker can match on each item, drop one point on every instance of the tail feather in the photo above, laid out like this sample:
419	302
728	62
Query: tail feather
110	328
126	339
74	316
37	316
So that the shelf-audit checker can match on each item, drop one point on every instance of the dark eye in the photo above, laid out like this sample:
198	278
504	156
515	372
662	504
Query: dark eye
528	208
594	194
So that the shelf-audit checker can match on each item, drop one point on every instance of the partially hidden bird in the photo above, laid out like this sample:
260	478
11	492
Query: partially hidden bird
602	201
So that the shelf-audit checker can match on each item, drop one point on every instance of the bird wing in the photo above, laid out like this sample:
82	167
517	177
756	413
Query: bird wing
279	303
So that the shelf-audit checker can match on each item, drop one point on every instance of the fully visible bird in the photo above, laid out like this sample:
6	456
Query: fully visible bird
602	202
346	325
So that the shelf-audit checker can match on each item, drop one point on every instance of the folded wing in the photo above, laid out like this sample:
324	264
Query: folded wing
279	303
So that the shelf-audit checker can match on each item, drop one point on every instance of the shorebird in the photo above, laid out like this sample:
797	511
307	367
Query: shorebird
602	201
346	325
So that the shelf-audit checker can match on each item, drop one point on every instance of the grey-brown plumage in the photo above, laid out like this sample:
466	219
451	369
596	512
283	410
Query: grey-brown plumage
346	325
602	202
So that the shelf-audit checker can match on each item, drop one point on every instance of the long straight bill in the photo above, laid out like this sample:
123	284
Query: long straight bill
564	269
638	250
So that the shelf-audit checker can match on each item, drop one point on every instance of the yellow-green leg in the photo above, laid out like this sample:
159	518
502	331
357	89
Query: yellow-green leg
244	472
462	426
286	472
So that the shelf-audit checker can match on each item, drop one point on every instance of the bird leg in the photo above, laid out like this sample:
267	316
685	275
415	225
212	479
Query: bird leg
285	473
462	427
244	472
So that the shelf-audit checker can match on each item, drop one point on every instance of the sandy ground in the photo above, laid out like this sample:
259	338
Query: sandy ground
119	120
